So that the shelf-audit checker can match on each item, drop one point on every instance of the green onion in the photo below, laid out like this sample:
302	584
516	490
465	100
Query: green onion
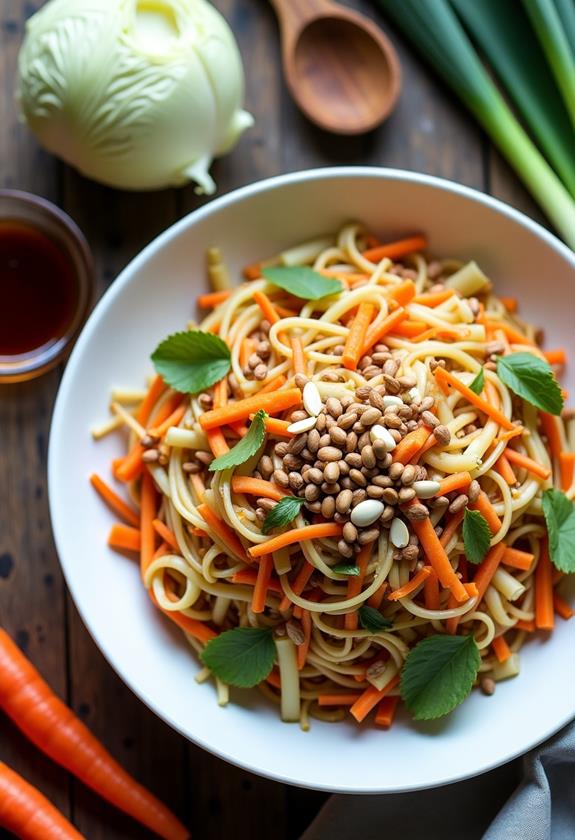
547	24
503	32
565	12
435	29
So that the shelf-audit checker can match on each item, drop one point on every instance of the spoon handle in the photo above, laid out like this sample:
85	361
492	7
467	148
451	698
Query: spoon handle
294	14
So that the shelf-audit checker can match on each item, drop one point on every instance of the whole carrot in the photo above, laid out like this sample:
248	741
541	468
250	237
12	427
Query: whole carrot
54	729
28	814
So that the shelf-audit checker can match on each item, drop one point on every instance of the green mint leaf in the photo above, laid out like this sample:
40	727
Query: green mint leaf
301	281
243	656
283	513
560	519
438	674
349	569
245	447
476	536
372	620
192	361
478	383
532	379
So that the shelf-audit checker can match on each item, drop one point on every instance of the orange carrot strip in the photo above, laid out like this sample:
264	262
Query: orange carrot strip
376	599
501	649
431	592
354	584
197	629
518	559
507	436
556	576
514	335
117	504
487	569
147	516
357	335
457	481
221	393
484	506
394	250
278	428
272	403
556	357
198	485
433	299
26	813
124	538
567	468
257	487
510	303
505	470
253	271
155	391
429	444
527	463
411	585
162	529
223	532
410	444
452	623
338	699
249	577
246	350
198	532
544	617
298	585
451	527
445	380
302	649
131	466
54	729
562	608
267	307
410	329
296	535
172	420
284	312
298	359
437	557
262	583
164	548
550	426
217	442
273	385
376	333
212	299
401	293
386	711
370	698
525	626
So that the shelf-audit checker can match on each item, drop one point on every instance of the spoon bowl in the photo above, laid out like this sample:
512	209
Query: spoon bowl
340	68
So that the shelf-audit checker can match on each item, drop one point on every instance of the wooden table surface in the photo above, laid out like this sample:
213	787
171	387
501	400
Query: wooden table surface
428	132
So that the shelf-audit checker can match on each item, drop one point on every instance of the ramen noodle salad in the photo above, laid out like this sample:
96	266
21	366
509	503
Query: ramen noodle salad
351	482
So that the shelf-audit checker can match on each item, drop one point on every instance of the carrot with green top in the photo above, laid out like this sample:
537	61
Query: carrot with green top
457	481
517	559
370	698
272	403
357	334
526	463
501	649
562	608
262	583
355	584
435	554
407	448
544	614
486	509
54	729
296	535
115	502
375	333
223	532
447	380
124	538
395	250
257	487
411	585
567	469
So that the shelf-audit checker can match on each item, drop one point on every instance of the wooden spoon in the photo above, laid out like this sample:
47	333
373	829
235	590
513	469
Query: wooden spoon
340	68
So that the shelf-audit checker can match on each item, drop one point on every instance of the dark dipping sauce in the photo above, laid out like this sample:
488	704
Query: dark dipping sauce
38	289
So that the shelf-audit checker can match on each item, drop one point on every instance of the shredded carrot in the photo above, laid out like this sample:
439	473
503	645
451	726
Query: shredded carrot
165	533
411	444
518	559
402	293
131	466
544	618
212	299
484	506
556	576
376	333
273	385
452	623
487	569
567	468
370	698
278	428
298	359
173	419
451	526
501	649
527	463
253	271
445	380
436	555
507	436
429	444
525	626
410	329
457	481
376	599
302	649
197	629
556	357
514	336
246	349
338	699
272	403
308	532
124	538
433	299
510	303
262	583
386	711
267	307
154	393
298	585
147	516
394	250
550	427
223	532
562	608
431	591
505	470
355	583
198	485
221	393
257	487
117	504
163	548
217	442
357	334
249	577
411	585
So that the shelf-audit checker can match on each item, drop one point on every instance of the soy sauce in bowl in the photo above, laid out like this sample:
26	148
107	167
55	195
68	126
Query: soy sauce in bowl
46	281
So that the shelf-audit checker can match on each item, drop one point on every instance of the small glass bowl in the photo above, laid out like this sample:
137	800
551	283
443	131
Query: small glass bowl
17	206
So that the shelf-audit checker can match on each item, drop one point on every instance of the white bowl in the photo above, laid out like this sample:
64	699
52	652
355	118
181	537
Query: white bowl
154	296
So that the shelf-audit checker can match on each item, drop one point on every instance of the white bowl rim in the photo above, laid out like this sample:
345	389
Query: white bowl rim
107	299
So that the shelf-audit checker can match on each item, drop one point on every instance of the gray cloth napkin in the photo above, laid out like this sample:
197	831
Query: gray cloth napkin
528	799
